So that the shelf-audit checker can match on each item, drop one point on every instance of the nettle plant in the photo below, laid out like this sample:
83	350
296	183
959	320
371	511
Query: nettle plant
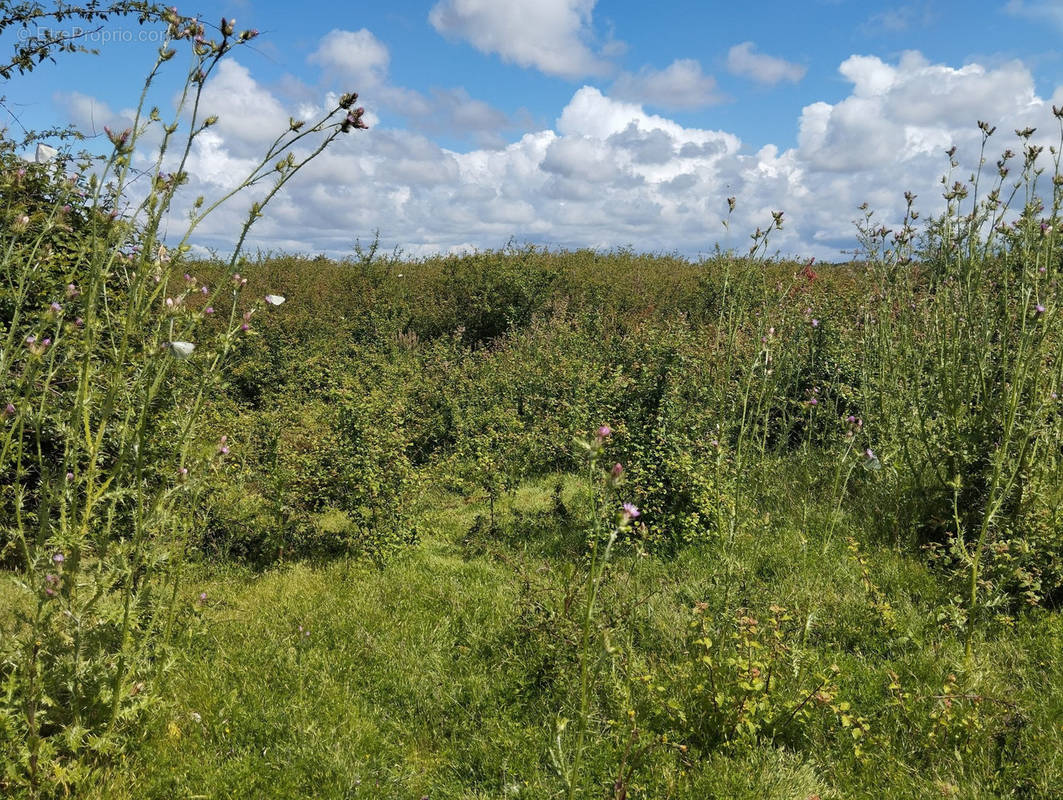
102	381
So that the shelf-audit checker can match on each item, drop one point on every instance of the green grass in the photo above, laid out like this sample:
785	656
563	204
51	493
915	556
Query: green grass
443	673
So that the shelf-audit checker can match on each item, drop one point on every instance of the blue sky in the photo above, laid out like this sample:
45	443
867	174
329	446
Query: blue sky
603	124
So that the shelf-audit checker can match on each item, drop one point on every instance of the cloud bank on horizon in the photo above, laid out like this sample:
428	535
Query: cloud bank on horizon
619	164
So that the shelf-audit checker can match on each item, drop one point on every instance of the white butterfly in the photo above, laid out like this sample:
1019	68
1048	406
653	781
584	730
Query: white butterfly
871	461
275	299
181	350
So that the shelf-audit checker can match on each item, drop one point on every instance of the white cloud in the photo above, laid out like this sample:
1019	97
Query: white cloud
900	18
608	173
451	112
550	35
359	61
680	85
1037	10
741	60
354	56
91	115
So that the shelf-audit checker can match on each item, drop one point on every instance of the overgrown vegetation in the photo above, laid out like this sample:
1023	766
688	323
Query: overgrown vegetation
525	523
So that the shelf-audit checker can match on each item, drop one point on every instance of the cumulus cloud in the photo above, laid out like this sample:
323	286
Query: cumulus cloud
452	112
357	60
550	35
354	56
769	70
609	173
680	85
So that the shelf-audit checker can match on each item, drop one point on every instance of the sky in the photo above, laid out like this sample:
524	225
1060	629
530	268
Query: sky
587	123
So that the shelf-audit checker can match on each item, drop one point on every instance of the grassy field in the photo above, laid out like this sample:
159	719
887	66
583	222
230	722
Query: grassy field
443	674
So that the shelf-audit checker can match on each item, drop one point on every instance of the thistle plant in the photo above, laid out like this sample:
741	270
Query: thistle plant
102	381
605	528
962	344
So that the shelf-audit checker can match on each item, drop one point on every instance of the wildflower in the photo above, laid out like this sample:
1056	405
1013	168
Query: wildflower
58	558
631	511
182	473
204	290
69	477
223	448
605	432
815	323
617	471
79	322
9	410
1040	309
50	583
202	597
189	278
274	299
208	310
55	308
245	327
72	291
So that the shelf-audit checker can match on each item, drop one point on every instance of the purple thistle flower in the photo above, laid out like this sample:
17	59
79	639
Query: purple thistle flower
58	558
605	432
9	410
815	323
55	308
631	511
1040	309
